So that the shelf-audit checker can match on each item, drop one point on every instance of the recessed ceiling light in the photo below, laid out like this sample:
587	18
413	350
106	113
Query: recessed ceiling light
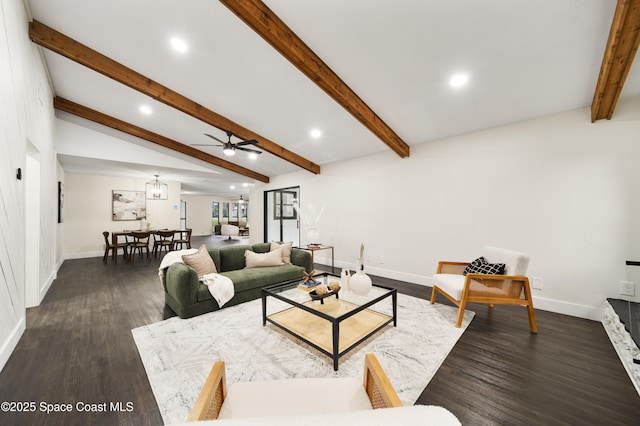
315	133
253	156
145	109
232	187
179	45
459	80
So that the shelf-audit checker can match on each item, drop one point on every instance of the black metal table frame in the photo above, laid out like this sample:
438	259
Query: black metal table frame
335	321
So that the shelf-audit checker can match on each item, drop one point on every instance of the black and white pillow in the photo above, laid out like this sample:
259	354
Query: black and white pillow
481	266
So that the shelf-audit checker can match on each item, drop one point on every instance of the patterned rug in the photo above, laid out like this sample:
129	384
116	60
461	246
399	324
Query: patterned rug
178	354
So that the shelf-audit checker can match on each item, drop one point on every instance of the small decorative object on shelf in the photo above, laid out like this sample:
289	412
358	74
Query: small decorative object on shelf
344	279
308	276
334	286
321	292
308	283
360	283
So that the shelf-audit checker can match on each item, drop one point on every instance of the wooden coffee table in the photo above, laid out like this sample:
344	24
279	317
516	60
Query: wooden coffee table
335	326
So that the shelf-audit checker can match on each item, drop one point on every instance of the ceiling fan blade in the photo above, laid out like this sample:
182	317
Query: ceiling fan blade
249	142
213	137
248	150
203	144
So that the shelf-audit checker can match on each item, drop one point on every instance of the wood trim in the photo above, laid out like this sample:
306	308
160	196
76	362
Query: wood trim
69	48
274	31
212	395
106	120
622	46
377	385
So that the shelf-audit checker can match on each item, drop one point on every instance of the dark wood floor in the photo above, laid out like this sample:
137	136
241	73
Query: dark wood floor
78	347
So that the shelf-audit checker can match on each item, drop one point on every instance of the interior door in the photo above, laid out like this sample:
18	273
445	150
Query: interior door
281	216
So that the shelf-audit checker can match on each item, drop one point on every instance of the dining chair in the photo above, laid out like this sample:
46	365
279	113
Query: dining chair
138	240
113	248
184	239
163	239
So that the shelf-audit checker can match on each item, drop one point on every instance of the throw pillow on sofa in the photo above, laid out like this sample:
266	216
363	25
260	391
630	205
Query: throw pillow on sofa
200	261
286	250
258	260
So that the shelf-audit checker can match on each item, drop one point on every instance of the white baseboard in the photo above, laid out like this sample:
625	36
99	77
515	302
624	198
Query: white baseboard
84	255
50	280
12	341
540	303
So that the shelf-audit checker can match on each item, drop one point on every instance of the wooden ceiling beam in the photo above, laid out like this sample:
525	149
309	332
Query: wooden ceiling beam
106	120
65	46
622	46
274	31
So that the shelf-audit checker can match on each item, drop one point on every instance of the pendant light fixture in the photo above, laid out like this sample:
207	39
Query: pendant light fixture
157	190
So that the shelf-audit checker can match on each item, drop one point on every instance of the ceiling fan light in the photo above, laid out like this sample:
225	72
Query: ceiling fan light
228	151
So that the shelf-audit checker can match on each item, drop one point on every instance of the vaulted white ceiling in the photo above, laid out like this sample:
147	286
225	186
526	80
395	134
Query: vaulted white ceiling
524	60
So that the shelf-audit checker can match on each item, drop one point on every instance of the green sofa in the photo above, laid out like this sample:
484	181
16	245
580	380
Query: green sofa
188	297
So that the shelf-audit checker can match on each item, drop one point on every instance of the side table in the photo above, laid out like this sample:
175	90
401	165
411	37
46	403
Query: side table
315	248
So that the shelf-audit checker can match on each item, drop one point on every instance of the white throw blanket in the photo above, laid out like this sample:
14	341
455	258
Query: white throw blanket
171	258
220	287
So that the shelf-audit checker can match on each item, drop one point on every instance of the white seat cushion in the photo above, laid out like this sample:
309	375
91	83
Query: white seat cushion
452	284
294	397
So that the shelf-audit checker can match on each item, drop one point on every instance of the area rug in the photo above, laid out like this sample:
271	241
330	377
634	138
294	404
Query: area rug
178	354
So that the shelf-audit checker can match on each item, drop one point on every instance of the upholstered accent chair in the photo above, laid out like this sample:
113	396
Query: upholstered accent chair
229	230
293	396
497	277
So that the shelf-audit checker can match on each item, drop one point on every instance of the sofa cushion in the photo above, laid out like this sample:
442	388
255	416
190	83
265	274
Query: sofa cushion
259	260
251	278
286	250
261	247
201	261
232	258
481	266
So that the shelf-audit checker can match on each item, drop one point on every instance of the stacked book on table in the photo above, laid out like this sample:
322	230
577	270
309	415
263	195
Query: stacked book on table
308	285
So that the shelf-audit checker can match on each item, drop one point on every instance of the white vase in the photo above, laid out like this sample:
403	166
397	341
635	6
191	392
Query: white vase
360	283
344	279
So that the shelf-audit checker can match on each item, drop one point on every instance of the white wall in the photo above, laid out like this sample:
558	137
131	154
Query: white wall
88	211
559	188
26	111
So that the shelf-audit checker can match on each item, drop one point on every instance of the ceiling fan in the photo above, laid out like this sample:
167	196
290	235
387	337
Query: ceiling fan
229	148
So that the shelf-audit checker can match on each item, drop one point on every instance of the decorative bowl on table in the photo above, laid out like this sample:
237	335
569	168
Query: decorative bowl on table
322	291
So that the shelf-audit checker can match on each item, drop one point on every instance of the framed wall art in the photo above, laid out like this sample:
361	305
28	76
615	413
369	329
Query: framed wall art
60	201
129	205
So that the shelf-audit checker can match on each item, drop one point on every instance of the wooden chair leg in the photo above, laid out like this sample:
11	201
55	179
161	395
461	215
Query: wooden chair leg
532	314
433	295
532	319
461	307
